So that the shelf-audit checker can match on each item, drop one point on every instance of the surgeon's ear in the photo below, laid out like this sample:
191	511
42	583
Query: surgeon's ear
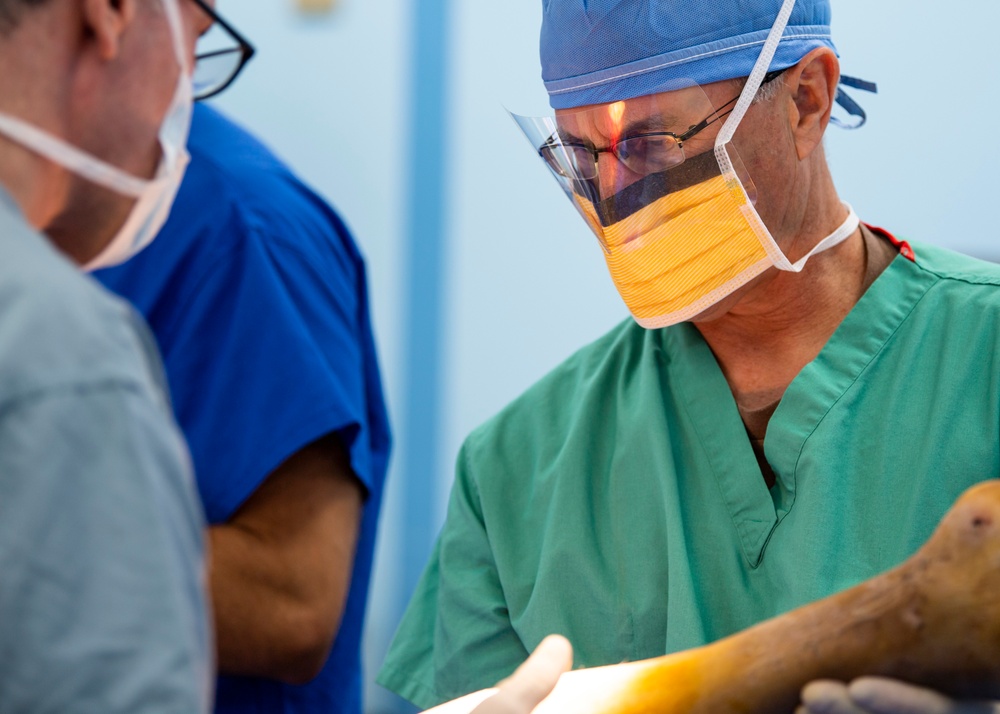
813	86
105	22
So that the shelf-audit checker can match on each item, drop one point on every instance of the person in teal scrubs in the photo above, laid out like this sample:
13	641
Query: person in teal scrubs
770	442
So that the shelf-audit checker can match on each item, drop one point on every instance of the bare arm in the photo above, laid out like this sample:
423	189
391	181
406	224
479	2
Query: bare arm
281	567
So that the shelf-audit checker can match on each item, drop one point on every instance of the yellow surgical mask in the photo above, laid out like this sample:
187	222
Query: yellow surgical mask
680	254
671	259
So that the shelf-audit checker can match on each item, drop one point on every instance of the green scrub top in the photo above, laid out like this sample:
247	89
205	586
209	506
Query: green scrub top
618	501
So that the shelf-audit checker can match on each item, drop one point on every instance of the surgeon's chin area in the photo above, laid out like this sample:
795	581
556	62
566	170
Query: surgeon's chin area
765	148
780	142
782	182
122	98
123	84
89	221
738	298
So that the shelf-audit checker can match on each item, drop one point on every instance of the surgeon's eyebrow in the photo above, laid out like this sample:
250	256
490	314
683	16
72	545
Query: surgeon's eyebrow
651	124
569	138
642	126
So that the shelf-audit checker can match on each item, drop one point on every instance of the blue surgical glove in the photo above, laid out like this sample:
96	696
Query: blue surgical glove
878	695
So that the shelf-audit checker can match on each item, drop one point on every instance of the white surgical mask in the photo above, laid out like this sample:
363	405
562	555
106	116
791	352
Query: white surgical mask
155	196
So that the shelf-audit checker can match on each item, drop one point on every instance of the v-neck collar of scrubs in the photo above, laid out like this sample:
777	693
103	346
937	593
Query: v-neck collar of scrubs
756	511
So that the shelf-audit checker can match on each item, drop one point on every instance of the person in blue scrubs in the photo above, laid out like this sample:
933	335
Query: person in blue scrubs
257	296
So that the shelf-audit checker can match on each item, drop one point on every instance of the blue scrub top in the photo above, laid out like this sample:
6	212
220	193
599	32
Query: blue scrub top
256	294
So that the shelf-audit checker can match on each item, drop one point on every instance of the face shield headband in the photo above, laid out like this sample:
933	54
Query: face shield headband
673	210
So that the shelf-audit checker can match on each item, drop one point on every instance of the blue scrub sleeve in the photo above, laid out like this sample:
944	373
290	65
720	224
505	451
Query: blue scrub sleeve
101	553
266	357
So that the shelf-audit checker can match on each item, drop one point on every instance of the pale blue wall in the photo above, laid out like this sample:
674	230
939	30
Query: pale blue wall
925	165
522	282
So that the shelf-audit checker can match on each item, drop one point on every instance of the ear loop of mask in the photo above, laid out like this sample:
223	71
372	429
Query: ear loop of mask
77	161
177	33
728	130
751	87
174	135
81	162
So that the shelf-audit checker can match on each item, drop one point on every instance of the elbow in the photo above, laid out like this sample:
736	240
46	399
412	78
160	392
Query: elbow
306	648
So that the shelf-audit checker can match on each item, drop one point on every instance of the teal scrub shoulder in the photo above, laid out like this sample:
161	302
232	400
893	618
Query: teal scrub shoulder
950	265
532	426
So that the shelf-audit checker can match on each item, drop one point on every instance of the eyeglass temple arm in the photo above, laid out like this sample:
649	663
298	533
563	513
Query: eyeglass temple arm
248	48
709	120
720	113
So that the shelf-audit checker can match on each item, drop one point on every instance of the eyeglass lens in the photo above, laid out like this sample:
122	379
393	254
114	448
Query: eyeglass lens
218	58
212	72
642	155
645	154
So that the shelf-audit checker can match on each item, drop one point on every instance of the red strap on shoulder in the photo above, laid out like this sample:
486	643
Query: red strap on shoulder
901	245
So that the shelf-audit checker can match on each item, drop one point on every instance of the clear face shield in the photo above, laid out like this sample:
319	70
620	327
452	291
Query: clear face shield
645	175
660	181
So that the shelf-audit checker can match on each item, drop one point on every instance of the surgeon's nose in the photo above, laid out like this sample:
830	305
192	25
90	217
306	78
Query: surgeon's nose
613	175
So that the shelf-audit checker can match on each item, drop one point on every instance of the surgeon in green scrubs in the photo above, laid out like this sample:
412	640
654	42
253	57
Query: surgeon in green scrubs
797	401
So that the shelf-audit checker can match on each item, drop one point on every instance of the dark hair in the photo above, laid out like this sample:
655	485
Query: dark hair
11	10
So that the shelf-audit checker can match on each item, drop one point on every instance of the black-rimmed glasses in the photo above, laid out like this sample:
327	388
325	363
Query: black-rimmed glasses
644	153
220	55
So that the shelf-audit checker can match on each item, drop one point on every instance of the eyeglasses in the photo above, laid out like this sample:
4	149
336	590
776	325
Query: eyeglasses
644	154
220	55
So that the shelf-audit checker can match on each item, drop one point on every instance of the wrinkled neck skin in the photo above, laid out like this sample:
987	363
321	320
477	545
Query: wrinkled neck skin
765	333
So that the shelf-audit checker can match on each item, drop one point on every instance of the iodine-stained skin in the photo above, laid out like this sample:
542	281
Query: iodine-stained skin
933	621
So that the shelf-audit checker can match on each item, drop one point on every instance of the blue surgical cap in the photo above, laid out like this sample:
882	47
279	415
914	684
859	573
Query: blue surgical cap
596	51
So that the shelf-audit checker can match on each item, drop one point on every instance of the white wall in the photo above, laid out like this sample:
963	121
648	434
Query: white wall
526	284
925	164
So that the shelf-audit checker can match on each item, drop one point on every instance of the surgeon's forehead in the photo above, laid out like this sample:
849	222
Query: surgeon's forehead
666	111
